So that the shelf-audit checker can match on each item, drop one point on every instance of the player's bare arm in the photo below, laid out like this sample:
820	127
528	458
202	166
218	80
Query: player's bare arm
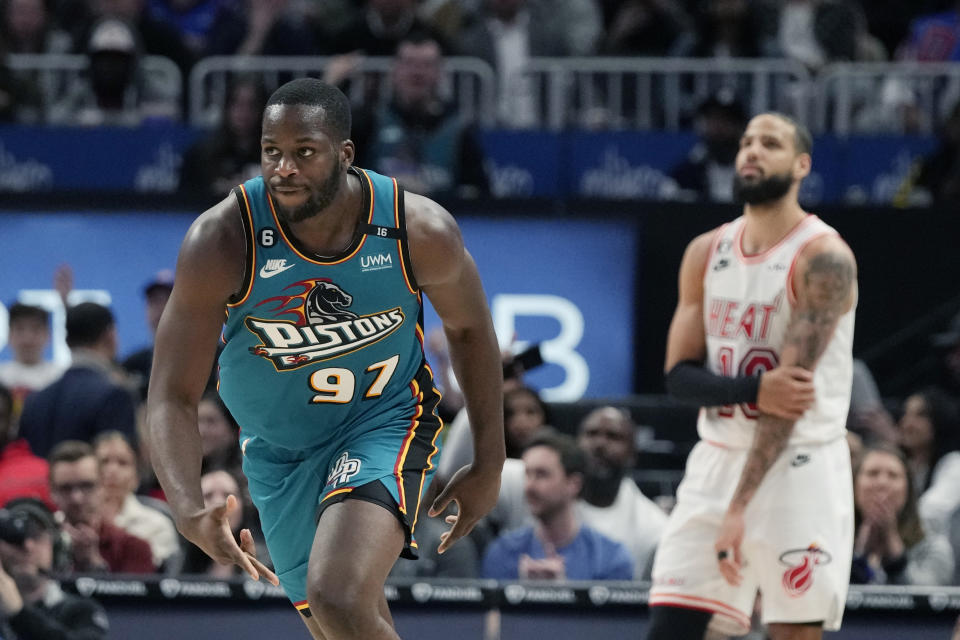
686	339
445	271
209	270
825	285
785	391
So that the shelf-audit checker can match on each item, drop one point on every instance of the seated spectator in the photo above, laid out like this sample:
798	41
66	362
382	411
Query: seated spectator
646	28
935	177
32	604
708	171
506	34
459	561
418	137
216	487
116	92
20	100
193	19
611	502
155	294
219	435
524	414
88	398
928	433
378	29
28	337
22	474
559	546
96	545
933	37
26	27
731	29
159	37
230	155
890	544
120	505
868	416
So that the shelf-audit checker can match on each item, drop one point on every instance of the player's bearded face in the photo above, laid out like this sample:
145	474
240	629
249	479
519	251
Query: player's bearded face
760	189
321	195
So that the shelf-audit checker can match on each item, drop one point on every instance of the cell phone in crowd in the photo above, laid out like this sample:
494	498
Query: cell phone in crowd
526	360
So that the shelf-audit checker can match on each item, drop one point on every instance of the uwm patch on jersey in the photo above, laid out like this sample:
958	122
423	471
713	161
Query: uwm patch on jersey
322	325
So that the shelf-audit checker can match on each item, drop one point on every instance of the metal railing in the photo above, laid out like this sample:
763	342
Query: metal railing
58	76
660	93
884	97
469	82
628	93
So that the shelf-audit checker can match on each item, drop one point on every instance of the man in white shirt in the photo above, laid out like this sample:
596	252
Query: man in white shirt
611	502
29	336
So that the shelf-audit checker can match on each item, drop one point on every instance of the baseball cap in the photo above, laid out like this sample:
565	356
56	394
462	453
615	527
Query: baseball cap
161	279
112	35
39	517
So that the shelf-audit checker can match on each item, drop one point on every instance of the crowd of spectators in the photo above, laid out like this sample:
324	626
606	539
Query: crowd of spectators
506	34
569	506
70	439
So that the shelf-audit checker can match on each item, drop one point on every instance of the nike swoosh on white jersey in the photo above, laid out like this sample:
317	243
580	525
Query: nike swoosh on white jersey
264	273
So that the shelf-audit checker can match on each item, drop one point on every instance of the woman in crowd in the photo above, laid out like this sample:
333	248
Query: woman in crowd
118	471
890	544
216	486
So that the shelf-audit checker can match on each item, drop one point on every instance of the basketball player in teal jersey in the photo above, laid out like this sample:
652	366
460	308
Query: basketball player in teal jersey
319	267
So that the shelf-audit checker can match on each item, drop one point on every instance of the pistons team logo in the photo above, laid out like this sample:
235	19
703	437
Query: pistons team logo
798	579
320	325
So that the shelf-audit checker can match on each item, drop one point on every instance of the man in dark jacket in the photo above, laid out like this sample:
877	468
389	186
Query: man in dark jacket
88	398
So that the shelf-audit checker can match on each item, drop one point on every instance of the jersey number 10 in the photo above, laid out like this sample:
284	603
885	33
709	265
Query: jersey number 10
755	362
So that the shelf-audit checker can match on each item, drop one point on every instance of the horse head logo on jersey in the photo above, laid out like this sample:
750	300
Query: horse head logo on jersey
327	302
798	579
313	323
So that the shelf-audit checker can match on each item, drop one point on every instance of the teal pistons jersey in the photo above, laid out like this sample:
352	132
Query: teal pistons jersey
318	348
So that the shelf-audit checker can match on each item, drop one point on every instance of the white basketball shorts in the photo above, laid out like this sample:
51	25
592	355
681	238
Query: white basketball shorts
797	546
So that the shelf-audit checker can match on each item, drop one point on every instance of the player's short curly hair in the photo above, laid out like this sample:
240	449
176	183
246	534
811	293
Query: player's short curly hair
333	104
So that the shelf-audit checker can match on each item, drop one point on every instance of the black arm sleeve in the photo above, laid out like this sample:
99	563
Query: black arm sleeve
689	380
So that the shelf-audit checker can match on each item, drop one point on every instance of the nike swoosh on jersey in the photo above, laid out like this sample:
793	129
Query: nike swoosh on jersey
264	273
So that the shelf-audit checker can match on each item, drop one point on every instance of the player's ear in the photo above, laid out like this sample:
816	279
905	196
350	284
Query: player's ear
802	165
347	153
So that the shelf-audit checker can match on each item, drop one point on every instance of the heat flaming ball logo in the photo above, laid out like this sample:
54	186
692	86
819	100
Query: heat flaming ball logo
798	579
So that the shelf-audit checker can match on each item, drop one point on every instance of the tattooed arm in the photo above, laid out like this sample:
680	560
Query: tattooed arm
825	283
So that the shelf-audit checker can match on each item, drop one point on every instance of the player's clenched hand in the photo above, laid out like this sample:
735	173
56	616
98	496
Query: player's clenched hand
475	493
210	530
786	392
727	546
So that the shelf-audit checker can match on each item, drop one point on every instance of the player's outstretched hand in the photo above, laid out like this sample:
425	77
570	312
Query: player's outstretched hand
475	493
786	392
210	530
727	547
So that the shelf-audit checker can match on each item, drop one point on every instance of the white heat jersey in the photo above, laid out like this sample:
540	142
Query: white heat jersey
748	300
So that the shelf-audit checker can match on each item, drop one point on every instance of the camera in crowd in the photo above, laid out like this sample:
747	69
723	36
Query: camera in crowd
526	360
13	527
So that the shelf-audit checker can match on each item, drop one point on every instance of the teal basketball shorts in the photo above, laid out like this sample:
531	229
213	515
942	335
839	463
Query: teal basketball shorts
291	488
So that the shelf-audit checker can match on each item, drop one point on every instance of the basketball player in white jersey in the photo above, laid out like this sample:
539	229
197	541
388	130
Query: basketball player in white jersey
762	339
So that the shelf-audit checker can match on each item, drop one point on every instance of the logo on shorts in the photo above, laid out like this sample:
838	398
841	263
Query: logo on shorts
344	469
800	459
798	579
